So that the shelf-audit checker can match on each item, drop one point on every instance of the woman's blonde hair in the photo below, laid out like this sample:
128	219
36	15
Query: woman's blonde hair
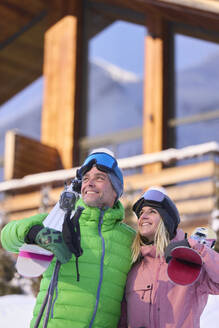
161	240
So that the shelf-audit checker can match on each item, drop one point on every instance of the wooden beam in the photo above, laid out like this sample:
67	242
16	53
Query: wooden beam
21	215
109	12
28	201
202	5
138	183
61	90
193	222
202	33
201	14
157	49
31	202
17	16
21	61
194	199
192	190
13	205
204	205
198	219
209	115
24	156
59	176
153	89
171	175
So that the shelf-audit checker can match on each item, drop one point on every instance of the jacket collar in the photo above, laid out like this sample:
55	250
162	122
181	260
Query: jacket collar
111	215
150	250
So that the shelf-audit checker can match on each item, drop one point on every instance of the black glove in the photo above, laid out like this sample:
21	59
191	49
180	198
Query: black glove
71	232
172	245
51	240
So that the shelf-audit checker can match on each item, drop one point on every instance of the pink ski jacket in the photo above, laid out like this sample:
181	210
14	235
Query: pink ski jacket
153	301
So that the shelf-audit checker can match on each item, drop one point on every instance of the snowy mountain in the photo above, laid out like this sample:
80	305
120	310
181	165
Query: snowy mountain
197	92
114	100
198	87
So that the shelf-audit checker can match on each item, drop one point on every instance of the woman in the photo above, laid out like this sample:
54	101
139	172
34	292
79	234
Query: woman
151	299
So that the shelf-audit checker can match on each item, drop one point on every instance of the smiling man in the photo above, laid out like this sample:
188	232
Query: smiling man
94	300
97	190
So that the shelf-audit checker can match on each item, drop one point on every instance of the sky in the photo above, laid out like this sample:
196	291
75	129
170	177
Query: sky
113	45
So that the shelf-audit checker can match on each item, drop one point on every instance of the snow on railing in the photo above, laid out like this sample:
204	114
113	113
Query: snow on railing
164	156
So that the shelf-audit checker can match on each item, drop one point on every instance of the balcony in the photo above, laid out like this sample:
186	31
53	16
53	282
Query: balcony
189	176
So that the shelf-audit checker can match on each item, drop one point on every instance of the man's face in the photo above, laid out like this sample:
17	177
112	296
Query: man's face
97	190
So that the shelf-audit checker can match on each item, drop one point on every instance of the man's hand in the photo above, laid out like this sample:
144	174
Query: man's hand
52	240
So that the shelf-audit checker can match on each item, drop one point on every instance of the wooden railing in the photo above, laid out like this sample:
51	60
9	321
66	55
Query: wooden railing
193	186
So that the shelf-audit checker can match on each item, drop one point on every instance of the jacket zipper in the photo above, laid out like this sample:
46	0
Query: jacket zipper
157	320
150	304
101	267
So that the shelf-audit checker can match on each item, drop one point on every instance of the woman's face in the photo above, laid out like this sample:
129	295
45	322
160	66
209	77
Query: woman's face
148	222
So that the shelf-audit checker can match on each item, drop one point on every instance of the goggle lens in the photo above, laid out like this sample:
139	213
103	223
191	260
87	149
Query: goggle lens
101	159
154	195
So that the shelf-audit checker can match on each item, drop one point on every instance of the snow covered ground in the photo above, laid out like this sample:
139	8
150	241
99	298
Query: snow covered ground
210	316
16	311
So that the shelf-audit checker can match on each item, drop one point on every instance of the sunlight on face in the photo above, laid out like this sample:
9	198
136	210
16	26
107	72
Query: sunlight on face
97	190
148	222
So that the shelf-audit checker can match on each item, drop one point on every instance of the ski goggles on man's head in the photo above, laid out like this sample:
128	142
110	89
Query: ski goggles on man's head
104	162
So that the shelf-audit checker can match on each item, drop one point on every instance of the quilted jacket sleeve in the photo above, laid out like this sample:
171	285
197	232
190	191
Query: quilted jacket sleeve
14	233
210	279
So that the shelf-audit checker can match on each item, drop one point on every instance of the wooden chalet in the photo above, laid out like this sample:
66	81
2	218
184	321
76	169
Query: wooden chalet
55	35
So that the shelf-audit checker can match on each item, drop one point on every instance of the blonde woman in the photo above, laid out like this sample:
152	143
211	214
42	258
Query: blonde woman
151	299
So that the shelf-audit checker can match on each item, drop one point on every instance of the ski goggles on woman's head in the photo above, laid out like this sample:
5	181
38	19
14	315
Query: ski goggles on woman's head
152	198
156	199
165	207
104	162
154	195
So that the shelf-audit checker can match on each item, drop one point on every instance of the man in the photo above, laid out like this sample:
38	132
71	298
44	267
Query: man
94	300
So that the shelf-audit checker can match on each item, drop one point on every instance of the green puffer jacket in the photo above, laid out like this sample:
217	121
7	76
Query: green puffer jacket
94	301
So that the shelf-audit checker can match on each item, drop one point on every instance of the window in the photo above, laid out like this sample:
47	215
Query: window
196	93
115	87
